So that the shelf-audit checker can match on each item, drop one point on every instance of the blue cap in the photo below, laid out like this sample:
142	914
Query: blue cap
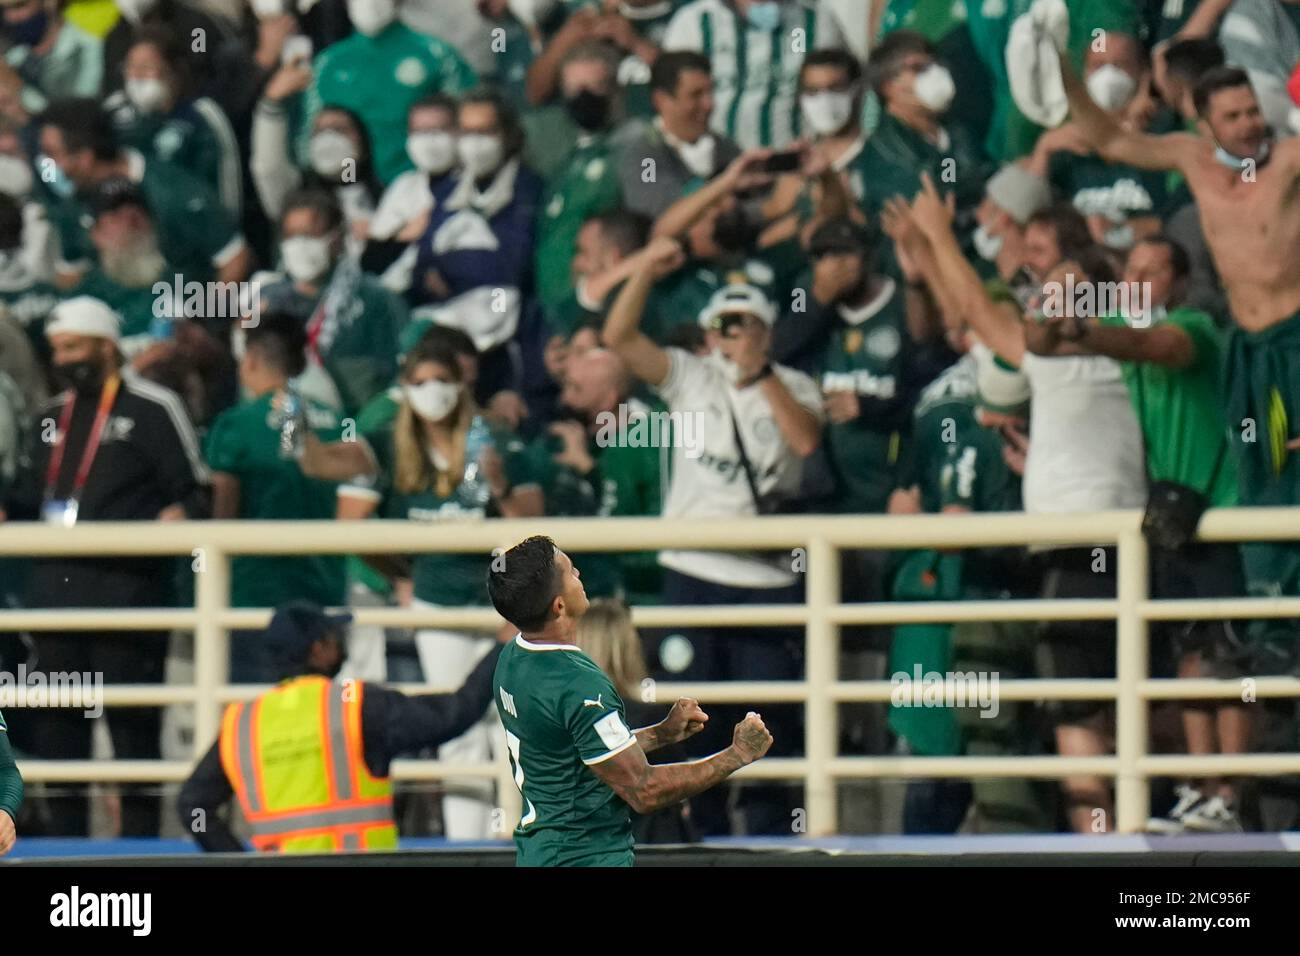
297	625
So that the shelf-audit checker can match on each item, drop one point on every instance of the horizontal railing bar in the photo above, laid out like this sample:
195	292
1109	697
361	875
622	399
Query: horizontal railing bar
943	612
772	768
741	692
1219	609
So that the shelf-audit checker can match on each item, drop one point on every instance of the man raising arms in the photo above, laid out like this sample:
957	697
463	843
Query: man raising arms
1247	188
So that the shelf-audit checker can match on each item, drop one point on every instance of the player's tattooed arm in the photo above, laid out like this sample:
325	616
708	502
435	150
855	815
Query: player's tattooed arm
647	788
686	719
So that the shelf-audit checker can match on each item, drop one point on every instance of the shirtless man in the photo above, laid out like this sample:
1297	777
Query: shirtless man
1247	188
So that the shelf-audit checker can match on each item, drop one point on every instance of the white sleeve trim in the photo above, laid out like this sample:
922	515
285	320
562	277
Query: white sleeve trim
228	252
611	753
356	491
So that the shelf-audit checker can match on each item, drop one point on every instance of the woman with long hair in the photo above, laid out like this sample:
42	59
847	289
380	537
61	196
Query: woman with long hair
441	459
607	635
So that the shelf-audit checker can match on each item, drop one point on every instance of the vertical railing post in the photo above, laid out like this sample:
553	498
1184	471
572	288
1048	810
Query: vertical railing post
1132	790
822	655
211	644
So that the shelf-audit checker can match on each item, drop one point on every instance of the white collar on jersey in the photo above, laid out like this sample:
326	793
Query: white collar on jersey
530	646
863	312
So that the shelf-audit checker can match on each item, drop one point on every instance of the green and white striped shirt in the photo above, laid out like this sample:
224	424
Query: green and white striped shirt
755	73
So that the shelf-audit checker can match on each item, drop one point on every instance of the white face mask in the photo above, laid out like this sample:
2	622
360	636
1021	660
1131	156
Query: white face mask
826	112
987	245
328	150
934	88
729	369
305	258
15	177
1110	87
372	17
432	400
480	153
147	95
432	152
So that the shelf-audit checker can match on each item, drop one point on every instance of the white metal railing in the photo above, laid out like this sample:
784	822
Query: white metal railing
821	691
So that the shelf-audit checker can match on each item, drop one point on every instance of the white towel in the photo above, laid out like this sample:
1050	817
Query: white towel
1033	62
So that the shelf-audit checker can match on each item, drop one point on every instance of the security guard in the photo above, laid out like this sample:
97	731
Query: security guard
308	760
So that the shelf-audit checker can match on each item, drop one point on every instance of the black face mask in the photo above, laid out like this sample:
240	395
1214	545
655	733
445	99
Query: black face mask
589	110
84	377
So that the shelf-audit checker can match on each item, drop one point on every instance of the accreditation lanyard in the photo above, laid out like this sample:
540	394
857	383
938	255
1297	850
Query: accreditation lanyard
64	511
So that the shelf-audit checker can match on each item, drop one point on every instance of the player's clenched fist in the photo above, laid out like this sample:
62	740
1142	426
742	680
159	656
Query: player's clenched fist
751	739
684	720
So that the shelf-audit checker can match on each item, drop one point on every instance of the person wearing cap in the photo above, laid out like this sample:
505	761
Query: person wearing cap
122	449
81	150
308	761
755	421
1011	198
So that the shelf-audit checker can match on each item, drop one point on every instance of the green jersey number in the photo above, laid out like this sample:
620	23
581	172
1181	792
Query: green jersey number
512	743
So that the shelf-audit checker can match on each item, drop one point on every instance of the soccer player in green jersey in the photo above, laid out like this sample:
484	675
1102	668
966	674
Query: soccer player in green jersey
11	791
575	761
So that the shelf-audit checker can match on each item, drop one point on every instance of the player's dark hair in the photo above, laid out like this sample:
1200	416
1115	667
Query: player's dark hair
887	59
280	341
1215	80
1067	224
527	583
1095	261
624	230
1179	260
319	201
838	59
667	72
1189	60
84	124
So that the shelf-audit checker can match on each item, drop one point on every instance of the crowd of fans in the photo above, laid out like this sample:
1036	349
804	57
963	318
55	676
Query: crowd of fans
408	259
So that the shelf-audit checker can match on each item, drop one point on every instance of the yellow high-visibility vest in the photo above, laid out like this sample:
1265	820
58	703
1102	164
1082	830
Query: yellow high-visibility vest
296	761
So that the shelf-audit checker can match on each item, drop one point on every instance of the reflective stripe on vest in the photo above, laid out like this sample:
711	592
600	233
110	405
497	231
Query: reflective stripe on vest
343	806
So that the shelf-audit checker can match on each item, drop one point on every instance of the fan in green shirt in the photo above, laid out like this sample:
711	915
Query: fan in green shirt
11	790
916	135
255	476
377	73
440	460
